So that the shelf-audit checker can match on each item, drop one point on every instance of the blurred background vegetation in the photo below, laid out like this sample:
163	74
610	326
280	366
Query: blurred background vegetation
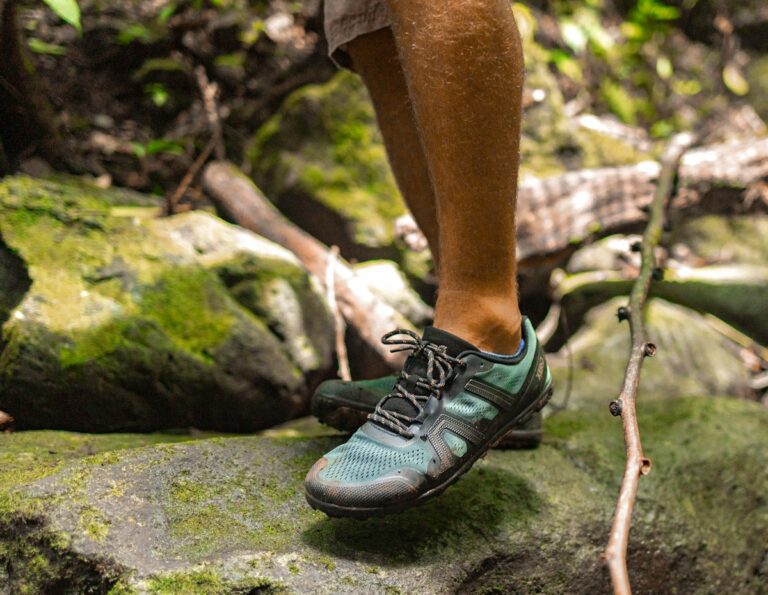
120	77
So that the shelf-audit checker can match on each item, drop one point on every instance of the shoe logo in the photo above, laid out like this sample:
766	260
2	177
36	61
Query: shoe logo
540	369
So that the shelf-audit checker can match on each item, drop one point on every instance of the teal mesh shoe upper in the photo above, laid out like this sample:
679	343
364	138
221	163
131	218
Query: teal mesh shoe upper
362	459
471	408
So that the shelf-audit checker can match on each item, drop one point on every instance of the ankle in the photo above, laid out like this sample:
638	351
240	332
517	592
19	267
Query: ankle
491	324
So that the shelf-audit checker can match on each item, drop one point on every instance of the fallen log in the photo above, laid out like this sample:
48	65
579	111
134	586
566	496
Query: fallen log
237	195
557	213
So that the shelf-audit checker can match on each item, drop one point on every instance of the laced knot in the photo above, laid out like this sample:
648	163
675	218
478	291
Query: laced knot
428	383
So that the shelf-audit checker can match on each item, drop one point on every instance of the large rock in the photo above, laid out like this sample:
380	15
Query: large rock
389	284
227	515
717	266
693	358
322	160
117	320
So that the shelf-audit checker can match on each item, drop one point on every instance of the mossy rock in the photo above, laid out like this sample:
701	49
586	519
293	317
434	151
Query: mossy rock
132	322
693	358
729	281
551	141
322	160
227	515
732	239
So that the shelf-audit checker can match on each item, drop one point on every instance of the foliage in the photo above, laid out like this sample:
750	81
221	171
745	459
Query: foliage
632	64
68	10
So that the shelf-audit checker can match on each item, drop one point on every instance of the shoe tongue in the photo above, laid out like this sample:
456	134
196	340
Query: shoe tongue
454	345
417	365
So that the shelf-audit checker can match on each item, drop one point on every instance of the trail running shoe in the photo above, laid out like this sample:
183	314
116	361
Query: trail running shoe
450	404
346	405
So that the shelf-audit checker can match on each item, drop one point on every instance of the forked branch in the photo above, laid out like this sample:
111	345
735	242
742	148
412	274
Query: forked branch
637	464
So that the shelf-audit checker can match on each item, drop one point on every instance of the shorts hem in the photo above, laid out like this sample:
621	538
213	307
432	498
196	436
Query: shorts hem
343	29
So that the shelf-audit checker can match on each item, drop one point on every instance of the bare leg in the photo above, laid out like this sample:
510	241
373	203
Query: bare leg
376	60
464	69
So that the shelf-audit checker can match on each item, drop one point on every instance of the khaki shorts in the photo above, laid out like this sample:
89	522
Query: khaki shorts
347	19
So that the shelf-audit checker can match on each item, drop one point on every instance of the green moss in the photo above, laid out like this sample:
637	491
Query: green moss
188	306
122	588
28	456
326	142
600	150
203	516
206	582
93	524
712	238
191	306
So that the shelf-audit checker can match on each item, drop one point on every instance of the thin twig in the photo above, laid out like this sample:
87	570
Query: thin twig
210	93
339	324
736	336
174	198
637	464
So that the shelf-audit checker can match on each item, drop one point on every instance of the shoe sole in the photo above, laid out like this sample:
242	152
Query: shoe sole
336	511
346	416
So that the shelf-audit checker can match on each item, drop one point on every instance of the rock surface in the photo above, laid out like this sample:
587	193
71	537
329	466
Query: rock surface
693	358
322	161
227	515
389	284
717	266
117	320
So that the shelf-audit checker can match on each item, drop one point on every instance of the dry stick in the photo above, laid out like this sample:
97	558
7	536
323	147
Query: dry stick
249	208
174	198
338	319
637	464
210	93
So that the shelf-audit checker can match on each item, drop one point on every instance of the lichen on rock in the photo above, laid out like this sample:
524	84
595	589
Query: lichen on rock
225	513
134	322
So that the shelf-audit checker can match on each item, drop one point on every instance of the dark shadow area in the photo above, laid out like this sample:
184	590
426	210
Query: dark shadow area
654	568
470	512
14	281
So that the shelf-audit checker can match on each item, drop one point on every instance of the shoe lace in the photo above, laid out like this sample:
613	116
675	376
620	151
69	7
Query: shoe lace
438	372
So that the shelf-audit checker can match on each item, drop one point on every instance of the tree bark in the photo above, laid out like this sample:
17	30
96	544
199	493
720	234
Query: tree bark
555	214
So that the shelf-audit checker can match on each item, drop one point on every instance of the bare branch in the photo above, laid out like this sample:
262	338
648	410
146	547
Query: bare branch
173	200
637	464
210	93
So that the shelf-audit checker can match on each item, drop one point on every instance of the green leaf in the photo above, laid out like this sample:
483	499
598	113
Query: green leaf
41	47
68	11
620	101
664	67
166	13
158	92
161	145
573	35
566	64
734	80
